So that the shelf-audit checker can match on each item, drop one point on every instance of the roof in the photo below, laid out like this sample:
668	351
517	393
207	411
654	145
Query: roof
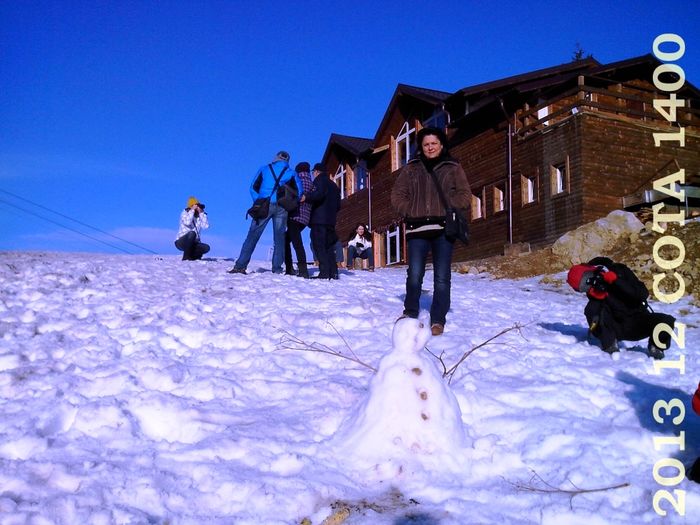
354	145
429	96
551	73
432	96
557	77
648	61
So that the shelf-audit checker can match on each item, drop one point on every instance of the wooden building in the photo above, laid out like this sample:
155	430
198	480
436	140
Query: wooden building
545	152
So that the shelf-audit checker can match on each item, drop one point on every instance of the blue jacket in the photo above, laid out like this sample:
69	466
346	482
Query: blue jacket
325	201
263	182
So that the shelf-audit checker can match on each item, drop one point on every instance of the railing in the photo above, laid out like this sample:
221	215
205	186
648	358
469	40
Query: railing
582	99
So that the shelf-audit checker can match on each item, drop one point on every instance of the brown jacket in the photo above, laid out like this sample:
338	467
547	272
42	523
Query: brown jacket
414	194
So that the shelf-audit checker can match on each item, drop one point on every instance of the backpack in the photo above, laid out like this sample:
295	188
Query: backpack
288	195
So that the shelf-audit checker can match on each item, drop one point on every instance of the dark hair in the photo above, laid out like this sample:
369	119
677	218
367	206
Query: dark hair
367	235
302	167
424	132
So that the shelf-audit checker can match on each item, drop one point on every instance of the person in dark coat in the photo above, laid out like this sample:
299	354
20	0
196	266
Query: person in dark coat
617	306
297	220
325	203
415	197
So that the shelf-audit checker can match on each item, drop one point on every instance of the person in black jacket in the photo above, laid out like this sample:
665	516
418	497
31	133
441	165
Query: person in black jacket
325	203
617	306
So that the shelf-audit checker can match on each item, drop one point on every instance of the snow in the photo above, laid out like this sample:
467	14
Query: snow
140	389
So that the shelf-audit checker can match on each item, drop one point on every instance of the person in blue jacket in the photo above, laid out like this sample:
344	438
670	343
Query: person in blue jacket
262	186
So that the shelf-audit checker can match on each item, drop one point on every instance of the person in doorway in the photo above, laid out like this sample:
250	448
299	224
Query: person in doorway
415	197
360	245
325	203
193	220
265	184
617	306
296	222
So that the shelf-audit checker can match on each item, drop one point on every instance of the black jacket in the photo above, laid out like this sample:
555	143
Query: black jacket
626	296
325	201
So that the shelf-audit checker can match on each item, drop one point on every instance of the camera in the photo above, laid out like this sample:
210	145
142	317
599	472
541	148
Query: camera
597	281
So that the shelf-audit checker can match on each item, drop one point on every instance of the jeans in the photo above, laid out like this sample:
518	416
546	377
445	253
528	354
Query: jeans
192	249
367	253
279	225
418	250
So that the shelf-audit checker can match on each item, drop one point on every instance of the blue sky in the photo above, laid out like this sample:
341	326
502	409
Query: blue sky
113	113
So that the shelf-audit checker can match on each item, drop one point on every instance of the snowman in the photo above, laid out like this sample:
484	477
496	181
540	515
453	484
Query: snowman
409	414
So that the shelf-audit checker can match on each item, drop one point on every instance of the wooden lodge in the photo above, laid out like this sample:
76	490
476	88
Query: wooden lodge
544	152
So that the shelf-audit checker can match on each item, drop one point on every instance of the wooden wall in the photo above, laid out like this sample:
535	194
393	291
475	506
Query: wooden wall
607	145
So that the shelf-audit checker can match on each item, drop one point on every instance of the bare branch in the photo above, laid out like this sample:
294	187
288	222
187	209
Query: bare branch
440	359
449	373
551	489
343	338
291	342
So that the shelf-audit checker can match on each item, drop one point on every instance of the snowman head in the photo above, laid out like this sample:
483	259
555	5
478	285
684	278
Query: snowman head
410	335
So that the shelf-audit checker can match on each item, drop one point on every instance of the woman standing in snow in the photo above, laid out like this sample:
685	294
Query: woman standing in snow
360	245
193	219
416	198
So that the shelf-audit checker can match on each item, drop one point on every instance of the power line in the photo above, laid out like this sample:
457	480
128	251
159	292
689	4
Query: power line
74	220
66	227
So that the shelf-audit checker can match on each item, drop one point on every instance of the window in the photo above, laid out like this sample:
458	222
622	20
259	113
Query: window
499	197
393	246
477	208
439	119
404	145
543	113
361	175
559	175
339	179
528	189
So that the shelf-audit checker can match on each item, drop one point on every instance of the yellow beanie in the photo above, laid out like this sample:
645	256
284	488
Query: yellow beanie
192	201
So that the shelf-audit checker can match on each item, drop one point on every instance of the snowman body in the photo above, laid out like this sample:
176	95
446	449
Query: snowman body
409	410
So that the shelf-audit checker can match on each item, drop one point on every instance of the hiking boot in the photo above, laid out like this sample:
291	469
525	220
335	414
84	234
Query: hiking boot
437	329
654	351
237	270
611	348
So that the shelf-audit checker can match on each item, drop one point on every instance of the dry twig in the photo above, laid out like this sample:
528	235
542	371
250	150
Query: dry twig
292	342
551	489
450	372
